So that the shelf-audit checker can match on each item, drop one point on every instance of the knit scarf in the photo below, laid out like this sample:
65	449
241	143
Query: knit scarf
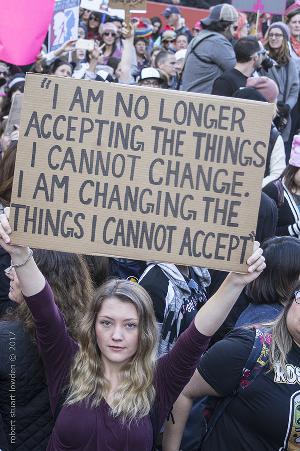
296	45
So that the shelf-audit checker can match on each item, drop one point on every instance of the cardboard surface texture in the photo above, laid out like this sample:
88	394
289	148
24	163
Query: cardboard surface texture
140	5
146	174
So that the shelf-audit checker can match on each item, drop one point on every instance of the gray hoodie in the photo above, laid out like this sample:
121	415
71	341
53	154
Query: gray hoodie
208	56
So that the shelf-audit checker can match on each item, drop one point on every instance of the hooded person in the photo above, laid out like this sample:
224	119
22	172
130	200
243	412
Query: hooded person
210	53
177	292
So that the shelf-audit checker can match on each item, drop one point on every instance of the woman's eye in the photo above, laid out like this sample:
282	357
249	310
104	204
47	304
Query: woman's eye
105	323
131	325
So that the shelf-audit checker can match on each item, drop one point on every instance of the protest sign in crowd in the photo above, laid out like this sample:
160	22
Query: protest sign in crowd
150	226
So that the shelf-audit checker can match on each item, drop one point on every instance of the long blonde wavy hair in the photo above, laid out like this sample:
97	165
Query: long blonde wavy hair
135	394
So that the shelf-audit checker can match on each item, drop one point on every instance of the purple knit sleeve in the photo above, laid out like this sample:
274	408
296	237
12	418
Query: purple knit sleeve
175	369
56	346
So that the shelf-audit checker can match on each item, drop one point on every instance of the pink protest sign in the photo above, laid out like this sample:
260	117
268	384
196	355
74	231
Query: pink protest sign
263	6
23	27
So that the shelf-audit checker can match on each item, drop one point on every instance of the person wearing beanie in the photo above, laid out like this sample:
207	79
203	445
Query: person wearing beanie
109	42
285	75
210	54
275	158
286	193
266	86
249	58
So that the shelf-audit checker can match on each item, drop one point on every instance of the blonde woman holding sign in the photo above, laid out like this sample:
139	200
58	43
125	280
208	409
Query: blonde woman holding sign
117	396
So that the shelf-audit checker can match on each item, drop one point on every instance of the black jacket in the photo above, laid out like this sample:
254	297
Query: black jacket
288	213
24	400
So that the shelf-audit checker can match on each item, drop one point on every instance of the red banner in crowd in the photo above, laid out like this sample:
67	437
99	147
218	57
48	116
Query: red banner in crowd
23	27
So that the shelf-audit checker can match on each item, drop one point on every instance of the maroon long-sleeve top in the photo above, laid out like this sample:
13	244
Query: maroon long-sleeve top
82	428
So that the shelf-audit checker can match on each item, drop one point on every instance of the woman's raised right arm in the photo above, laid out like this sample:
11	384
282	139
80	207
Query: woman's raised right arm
56	346
30	277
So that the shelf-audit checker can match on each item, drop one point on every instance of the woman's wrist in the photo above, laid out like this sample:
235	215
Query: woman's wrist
19	254
237	279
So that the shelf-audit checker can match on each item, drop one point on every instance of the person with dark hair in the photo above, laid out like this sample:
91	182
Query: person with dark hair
253	377
248	59
286	193
117	395
268	294
285	75
266	229
98	267
61	68
156	28
93	23
142	56
210	53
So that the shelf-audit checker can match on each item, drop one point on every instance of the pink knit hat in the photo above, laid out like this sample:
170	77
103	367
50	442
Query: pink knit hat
267	87
292	8
295	152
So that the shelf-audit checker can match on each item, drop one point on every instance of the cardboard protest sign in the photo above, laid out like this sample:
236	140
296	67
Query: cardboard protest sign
14	113
64	24
140	173
132	5
263	6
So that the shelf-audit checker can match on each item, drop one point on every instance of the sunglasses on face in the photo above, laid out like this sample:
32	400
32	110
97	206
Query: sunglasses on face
110	33
94	18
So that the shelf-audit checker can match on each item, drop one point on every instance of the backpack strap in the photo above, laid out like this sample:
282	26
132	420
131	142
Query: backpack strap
256	362
258	357
280	192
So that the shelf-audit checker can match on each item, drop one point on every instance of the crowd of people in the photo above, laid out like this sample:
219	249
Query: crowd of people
111	354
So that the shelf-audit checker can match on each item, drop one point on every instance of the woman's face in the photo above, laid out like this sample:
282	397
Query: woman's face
294	25
275	38
94	22
117	331
297	179
80	54
156	27
140	48
63	71
181	42
109	36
